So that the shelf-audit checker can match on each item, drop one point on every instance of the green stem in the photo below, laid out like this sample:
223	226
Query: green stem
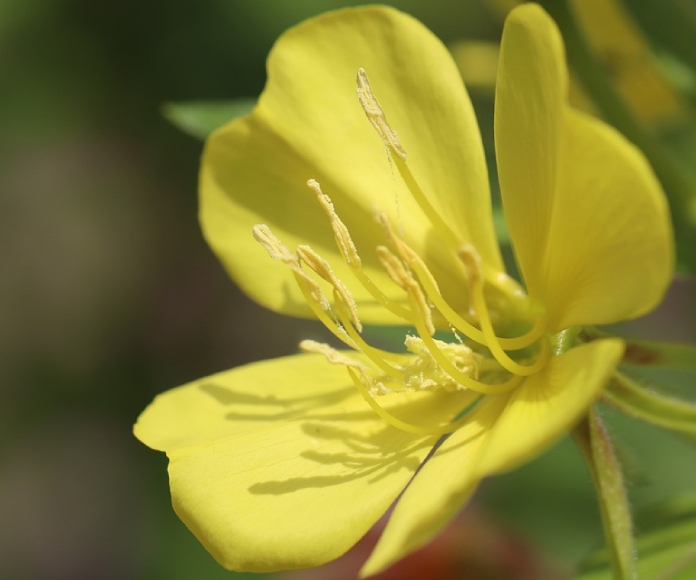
595	445
680	188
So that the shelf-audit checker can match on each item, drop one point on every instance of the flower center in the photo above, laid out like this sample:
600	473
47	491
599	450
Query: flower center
481	364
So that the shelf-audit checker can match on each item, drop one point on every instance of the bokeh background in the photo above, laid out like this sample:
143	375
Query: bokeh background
108	296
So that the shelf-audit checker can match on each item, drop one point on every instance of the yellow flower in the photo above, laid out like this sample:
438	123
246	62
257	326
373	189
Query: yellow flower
287	463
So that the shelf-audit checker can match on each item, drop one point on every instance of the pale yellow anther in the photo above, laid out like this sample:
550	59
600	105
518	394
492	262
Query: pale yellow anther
420	304
275	248
472	260
348	251
404	250
343	240
278	251
394	267
376	115
430	374
331	354
376	355
402	277
324	271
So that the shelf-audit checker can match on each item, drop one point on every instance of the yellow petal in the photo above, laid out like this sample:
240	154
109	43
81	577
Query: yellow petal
309	124
529	106
504	432
439	490
281	464
610	249
549	404
243	399
588	219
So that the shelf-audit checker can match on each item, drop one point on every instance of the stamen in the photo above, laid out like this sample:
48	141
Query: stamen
376	115
374	354
472	261
343	240
429	284
350	253
311	291
458	376
393	266
331	354
422	320
399	274
323	270
278	251
339	358
428	373
275	248
360	378
323	314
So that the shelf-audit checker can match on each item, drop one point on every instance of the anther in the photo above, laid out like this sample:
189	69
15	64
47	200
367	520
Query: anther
331	354
278	251
324	271
376	115
403	278
374	354
275	248
341	233
406	253
347	248
394	267
420	306
472	260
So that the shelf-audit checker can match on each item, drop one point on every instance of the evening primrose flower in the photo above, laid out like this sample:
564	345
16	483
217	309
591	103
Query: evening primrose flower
376	210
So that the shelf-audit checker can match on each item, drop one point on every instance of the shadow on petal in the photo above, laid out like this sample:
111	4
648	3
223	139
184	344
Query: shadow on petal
271	406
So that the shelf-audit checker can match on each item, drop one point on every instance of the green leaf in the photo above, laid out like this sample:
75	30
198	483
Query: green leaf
639	400
596	447
666	544
200	118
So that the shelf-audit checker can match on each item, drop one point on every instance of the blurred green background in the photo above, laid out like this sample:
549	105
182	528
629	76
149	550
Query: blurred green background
109	294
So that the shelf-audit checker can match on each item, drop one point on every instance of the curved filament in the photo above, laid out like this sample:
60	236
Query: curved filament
471	260
372	353
457	375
